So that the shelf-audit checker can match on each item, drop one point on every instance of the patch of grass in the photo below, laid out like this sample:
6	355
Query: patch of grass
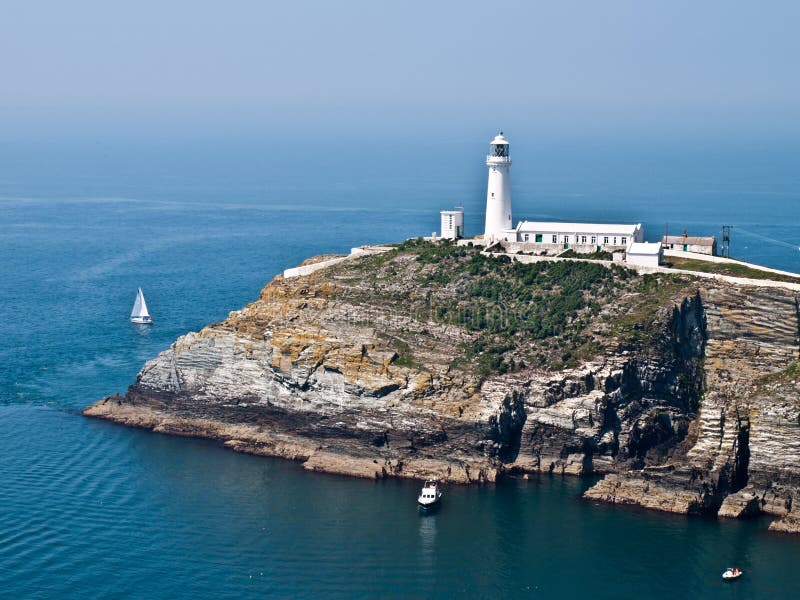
597	255
730	269
539	300
372	262
638	324
432	253
790	373
510	304
405	357
404	360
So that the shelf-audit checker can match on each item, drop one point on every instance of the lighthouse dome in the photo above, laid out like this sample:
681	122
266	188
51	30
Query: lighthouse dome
499	139
499	149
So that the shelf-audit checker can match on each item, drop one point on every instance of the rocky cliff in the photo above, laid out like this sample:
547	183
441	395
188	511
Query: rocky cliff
742	454
437	360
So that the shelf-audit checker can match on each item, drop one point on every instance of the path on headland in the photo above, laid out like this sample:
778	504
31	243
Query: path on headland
528	258
307	269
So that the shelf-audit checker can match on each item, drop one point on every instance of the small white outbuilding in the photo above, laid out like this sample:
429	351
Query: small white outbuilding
453	223
645	254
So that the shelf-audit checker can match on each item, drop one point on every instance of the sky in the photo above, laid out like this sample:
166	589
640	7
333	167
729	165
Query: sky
244	69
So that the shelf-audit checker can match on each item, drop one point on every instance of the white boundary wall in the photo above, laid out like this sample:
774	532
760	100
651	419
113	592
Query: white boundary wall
304	270
721	259
526	258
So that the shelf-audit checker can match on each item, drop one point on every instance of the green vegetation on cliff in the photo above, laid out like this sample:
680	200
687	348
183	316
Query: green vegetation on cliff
730	269
789	374
597	255
548	314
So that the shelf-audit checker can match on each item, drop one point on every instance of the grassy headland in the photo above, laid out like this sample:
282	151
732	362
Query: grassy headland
549	314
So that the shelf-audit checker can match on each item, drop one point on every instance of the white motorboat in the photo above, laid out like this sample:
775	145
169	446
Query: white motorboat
430	494
139	313
732	573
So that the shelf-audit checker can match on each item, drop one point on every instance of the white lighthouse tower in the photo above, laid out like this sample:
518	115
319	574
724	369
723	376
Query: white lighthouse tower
498	194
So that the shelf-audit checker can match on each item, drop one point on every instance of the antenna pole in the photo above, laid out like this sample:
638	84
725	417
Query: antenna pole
726	240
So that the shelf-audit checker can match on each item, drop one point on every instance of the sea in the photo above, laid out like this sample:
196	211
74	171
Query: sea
90	509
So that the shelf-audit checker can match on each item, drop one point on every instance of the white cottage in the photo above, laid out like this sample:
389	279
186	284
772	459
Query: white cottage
686	243
647	254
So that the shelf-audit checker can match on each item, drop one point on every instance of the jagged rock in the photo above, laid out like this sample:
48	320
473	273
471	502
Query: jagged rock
790	523
744	503
745	443
642	491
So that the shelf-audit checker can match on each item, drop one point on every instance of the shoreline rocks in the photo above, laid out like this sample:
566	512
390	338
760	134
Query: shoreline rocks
255	440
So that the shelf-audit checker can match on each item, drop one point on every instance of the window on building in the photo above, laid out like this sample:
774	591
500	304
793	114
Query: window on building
566	239
605	240
615	241
594	239
555	239
624	241
525	238
583	239
539	238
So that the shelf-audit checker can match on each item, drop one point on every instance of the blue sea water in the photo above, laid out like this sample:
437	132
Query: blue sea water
91	509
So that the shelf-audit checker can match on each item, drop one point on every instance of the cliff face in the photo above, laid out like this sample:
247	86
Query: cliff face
742	456
685	397
630	410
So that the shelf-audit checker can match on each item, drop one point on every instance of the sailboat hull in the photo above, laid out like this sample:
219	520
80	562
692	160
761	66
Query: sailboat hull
142	320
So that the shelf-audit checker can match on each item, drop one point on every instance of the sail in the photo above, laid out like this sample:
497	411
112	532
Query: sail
140	306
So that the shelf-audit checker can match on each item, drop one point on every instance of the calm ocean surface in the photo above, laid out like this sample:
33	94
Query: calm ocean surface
90	509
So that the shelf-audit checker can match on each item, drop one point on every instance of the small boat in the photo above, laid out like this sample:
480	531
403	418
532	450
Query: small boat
139	313
732	573
430	494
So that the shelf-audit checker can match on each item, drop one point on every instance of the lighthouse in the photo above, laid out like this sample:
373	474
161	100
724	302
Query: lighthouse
498	193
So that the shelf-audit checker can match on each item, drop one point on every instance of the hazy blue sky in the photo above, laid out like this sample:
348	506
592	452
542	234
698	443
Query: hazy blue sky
174	68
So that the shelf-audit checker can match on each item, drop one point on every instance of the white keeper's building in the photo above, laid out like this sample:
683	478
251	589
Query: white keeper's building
542	235
558	236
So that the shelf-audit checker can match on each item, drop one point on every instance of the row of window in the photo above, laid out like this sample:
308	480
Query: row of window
579	239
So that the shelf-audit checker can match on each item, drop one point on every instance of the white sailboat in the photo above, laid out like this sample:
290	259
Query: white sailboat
139	313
